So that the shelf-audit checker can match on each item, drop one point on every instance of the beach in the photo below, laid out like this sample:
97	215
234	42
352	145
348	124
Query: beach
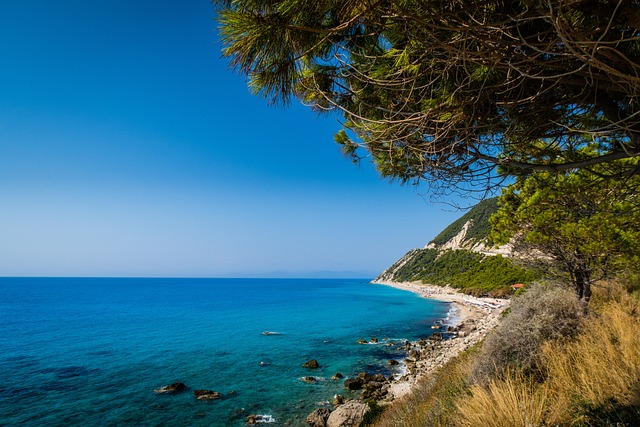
472	318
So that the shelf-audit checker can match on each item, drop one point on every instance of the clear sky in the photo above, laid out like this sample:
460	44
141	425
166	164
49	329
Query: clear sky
127	148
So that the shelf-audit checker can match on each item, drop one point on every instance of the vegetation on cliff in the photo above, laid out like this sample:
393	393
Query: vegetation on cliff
471	272
479	225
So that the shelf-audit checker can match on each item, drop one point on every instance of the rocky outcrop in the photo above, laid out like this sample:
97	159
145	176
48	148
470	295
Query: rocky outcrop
171	389
319	417
350	414
311	364
353	383
207	395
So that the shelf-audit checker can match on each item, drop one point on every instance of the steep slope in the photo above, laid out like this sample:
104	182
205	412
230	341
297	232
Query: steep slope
460	256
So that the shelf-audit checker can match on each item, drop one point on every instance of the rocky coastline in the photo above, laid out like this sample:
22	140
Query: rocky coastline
473	319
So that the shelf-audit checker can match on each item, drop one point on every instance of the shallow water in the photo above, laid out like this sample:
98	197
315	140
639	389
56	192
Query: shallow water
91	351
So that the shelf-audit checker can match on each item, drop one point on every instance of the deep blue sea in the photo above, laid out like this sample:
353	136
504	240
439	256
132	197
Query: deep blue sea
79	351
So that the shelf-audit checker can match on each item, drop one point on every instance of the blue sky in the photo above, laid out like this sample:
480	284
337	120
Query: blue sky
127	148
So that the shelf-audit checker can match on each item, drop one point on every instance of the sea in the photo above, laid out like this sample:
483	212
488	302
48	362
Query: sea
91	351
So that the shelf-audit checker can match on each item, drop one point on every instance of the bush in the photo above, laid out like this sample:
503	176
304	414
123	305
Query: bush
543	313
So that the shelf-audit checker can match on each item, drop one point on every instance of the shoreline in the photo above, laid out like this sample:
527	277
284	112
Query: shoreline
475	317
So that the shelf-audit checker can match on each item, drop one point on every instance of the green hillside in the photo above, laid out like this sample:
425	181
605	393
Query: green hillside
479	228
471	272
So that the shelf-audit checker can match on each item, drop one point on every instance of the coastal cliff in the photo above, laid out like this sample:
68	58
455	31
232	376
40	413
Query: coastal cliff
463	257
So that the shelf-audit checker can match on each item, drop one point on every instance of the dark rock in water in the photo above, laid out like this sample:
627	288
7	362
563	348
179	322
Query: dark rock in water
337	376
206	395
319	417
393	362
171	389
353	383
374	340
338	399
362	341
311	364
309	380
255	419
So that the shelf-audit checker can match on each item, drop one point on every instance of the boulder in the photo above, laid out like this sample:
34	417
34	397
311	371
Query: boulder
171	389
206	395
349	414
337	376
436	336
378	377
353	383
393	362
374	340
364	376
311	364
362	341
337	400
309	380
318	418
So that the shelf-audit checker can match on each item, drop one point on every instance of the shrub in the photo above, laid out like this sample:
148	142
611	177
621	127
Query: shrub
544	312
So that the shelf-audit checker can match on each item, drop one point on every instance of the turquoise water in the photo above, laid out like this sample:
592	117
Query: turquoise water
91	351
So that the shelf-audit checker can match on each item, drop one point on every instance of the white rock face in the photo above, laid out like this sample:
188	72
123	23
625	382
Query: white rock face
349	414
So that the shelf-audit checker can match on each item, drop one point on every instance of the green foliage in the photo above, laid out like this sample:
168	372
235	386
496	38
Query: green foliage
373	415
468	271
449	91
586	227
479	228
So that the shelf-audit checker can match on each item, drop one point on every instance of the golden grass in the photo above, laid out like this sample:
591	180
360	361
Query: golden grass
595	375
514	401
434	401
601	366
591	380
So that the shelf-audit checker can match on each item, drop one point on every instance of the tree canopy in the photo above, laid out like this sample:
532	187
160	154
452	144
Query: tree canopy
578	225
452	92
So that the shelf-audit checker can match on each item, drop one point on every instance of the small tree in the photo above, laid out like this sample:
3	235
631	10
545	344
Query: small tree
585	227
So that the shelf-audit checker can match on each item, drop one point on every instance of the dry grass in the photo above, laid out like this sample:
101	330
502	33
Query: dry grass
514	401
601	368
593	380
434	401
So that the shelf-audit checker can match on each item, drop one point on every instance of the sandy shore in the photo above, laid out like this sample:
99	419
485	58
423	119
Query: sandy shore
474	318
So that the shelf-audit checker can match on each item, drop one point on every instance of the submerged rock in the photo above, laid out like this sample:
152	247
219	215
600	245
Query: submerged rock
206	395
171	389
255	419
309	380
